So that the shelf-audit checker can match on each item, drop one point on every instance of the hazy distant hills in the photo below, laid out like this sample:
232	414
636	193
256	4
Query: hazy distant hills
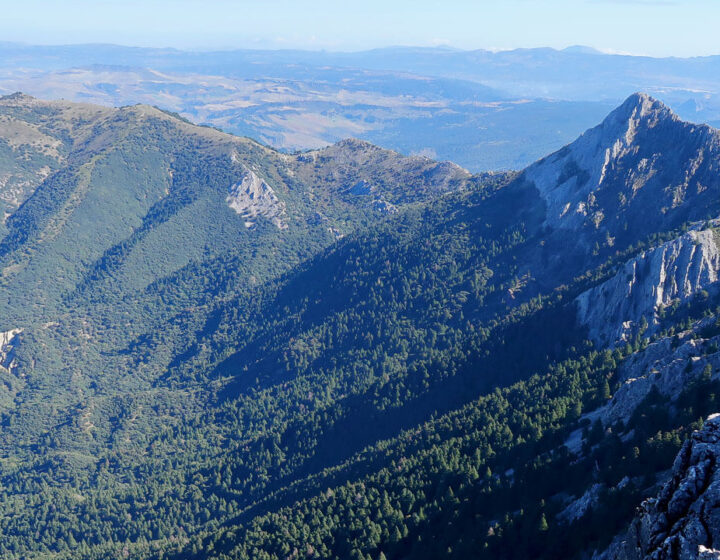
484	110
539	72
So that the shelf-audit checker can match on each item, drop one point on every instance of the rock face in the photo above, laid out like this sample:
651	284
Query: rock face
577	508
667	366
567	179
683	521
642	171
641	158
676	270
252	198
7	346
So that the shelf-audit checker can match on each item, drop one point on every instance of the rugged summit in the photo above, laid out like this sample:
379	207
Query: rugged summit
683	521
641	171
641	155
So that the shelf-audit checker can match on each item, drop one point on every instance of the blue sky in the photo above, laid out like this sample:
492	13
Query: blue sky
654	27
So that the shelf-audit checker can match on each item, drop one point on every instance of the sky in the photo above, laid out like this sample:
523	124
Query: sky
647	27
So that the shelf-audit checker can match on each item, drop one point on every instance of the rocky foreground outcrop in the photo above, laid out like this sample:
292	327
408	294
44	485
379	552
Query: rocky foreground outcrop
683	521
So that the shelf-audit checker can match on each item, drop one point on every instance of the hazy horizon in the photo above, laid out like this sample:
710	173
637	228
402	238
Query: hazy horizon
636	27
230	48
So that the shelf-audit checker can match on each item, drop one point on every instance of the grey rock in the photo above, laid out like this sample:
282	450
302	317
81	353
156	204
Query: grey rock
641	171
663	368
8	343
683	521
632	162
577	508
252	197
674	271
708	553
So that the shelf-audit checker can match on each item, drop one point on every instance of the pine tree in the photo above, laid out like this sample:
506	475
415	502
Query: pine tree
605	390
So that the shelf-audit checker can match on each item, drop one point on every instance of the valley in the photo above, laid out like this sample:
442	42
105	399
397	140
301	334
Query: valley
214	349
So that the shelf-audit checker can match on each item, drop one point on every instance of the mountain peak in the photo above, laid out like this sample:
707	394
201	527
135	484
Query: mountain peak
580	49
639	112
640	165
640	105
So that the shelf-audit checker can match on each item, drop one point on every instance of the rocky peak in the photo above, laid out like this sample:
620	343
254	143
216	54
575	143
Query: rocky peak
641	170
639	107
683	521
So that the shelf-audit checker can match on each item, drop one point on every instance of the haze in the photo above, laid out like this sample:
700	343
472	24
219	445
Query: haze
657	28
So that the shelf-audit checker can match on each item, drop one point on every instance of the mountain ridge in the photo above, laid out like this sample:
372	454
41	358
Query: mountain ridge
640	172
398	371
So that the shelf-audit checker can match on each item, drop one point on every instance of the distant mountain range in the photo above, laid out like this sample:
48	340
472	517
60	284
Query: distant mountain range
483	110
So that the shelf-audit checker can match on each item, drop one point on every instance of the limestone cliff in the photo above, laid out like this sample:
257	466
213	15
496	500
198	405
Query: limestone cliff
642	161
252	197
674	271
7	347
683	521
667	365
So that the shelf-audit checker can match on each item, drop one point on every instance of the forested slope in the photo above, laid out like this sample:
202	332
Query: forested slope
376	356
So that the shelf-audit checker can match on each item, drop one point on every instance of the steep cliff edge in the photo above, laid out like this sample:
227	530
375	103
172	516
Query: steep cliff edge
683	521
674	271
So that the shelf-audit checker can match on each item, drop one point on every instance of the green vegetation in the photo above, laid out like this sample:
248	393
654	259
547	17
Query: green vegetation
393	375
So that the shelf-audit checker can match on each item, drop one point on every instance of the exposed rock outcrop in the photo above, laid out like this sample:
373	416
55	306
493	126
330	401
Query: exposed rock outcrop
253	197
7	347
668	366
579	507
683	521
676	270
661	368
641	159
